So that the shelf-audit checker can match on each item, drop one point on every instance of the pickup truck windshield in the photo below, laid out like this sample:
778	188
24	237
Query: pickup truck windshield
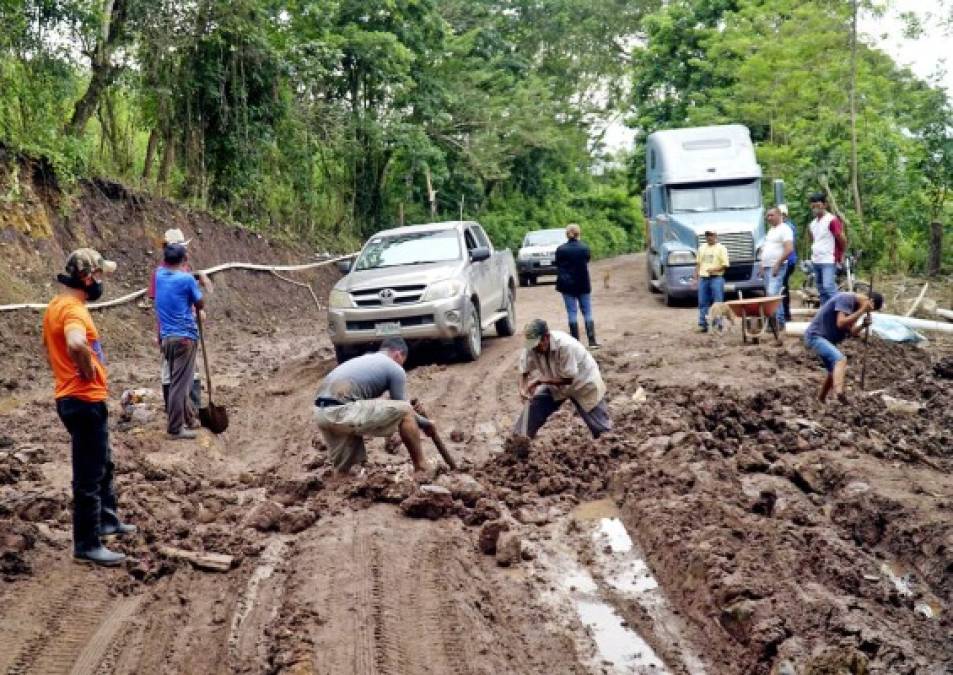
544	238
700	198
418	248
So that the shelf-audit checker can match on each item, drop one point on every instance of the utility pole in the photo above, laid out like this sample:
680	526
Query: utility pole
854	183
431	193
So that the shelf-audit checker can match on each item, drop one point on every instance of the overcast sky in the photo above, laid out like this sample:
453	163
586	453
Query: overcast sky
925	55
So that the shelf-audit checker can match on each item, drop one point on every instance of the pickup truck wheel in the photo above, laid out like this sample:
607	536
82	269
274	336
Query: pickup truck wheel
470	345
650	275
524	281
342	354
507	325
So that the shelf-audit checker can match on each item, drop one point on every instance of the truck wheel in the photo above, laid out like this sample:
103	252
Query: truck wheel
470	345
650	275
524	281
670	300
342	354
507	325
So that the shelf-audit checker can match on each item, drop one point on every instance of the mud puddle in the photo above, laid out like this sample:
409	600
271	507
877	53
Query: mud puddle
597	574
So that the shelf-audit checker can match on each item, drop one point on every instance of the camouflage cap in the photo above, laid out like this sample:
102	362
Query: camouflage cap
87	261
535	331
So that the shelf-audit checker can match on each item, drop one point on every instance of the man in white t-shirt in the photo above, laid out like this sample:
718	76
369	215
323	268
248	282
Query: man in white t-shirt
827	248
778	244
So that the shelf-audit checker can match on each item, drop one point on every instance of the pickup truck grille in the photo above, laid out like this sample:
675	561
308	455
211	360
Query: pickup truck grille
405	322
388	295
740	245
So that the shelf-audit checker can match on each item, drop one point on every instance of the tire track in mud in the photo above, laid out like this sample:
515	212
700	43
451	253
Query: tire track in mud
440	610
271	557
74	632
381	632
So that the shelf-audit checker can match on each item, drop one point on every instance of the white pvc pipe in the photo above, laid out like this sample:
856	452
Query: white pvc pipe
945	313
798	327
211	270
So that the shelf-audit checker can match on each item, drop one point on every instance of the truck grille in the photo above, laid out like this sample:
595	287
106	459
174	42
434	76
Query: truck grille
740	245
388	295
405	322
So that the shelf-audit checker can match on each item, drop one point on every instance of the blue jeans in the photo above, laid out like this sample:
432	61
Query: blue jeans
774	285
825	278
710	291
825	350
584	302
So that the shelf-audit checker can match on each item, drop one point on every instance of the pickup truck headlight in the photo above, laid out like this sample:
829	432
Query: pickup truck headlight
681	258
442	289
339	299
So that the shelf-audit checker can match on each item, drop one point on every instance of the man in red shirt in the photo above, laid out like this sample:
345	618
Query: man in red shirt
828	243
79	370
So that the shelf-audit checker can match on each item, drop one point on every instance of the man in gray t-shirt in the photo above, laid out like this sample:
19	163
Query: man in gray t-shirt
348	407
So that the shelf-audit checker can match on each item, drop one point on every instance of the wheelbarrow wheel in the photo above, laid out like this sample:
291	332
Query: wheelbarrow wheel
773	323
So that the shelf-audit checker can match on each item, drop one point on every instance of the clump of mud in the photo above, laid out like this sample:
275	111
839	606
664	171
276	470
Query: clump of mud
518	445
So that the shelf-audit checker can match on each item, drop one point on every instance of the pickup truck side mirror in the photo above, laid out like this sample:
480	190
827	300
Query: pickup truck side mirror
479	254
345	265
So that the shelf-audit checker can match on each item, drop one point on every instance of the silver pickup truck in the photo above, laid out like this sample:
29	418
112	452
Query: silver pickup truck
438	282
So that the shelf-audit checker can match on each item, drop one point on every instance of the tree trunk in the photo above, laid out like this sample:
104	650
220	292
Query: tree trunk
150	154
936	248
431	194
168	159
104	72
854	182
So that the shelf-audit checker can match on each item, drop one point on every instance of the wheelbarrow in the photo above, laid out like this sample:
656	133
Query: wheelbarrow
757	317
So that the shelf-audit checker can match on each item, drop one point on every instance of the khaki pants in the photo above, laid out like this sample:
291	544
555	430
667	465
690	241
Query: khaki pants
344	427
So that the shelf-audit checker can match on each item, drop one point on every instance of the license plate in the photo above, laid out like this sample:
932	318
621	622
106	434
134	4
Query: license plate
389	328
729	288
545	262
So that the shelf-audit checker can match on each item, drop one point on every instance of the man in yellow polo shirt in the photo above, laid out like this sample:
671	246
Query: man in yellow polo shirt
710	270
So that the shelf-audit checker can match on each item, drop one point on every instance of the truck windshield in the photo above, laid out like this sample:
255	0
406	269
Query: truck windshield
544	238
728	196
417	248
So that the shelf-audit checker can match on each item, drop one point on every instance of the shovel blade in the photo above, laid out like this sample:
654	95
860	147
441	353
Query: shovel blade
214	418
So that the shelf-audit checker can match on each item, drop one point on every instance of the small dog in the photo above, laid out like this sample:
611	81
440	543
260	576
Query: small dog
720	318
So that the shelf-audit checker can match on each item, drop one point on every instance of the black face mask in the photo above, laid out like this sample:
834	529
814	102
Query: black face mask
93	291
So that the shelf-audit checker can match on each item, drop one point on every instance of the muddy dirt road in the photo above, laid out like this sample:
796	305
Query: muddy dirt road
729	525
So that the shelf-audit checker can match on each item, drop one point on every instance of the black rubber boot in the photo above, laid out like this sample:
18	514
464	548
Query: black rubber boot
591	335
574	330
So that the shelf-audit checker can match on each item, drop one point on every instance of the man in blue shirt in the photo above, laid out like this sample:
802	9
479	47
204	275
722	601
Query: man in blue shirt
792	262
835	321
177	299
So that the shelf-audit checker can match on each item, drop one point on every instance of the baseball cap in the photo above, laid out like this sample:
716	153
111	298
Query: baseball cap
175	236
535	331
710	232
87	261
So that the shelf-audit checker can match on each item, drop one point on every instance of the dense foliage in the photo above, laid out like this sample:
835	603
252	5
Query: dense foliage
326	120
329	119
781	67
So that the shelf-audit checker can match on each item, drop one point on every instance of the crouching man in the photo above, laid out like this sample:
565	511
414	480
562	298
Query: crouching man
835	321
554	367
348	407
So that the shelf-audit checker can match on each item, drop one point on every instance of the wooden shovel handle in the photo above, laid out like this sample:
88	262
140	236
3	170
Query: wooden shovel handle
208	374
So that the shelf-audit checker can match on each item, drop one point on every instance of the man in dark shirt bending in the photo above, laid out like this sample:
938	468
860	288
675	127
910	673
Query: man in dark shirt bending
348	407
834	322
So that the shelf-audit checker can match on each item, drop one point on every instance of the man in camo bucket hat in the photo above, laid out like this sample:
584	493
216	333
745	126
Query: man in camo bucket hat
555	366
79	371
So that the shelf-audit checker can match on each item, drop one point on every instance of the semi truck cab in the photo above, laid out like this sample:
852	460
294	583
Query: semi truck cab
698	179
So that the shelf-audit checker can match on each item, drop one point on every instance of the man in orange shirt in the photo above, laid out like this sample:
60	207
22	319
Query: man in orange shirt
79	370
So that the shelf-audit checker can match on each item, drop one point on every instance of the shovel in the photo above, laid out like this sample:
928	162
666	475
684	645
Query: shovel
437	441
212	417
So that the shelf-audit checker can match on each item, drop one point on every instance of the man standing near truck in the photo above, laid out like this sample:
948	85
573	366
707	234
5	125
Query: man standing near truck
778	245
792	261
79	370
572	281
710	270
834	322
828	243
348	407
